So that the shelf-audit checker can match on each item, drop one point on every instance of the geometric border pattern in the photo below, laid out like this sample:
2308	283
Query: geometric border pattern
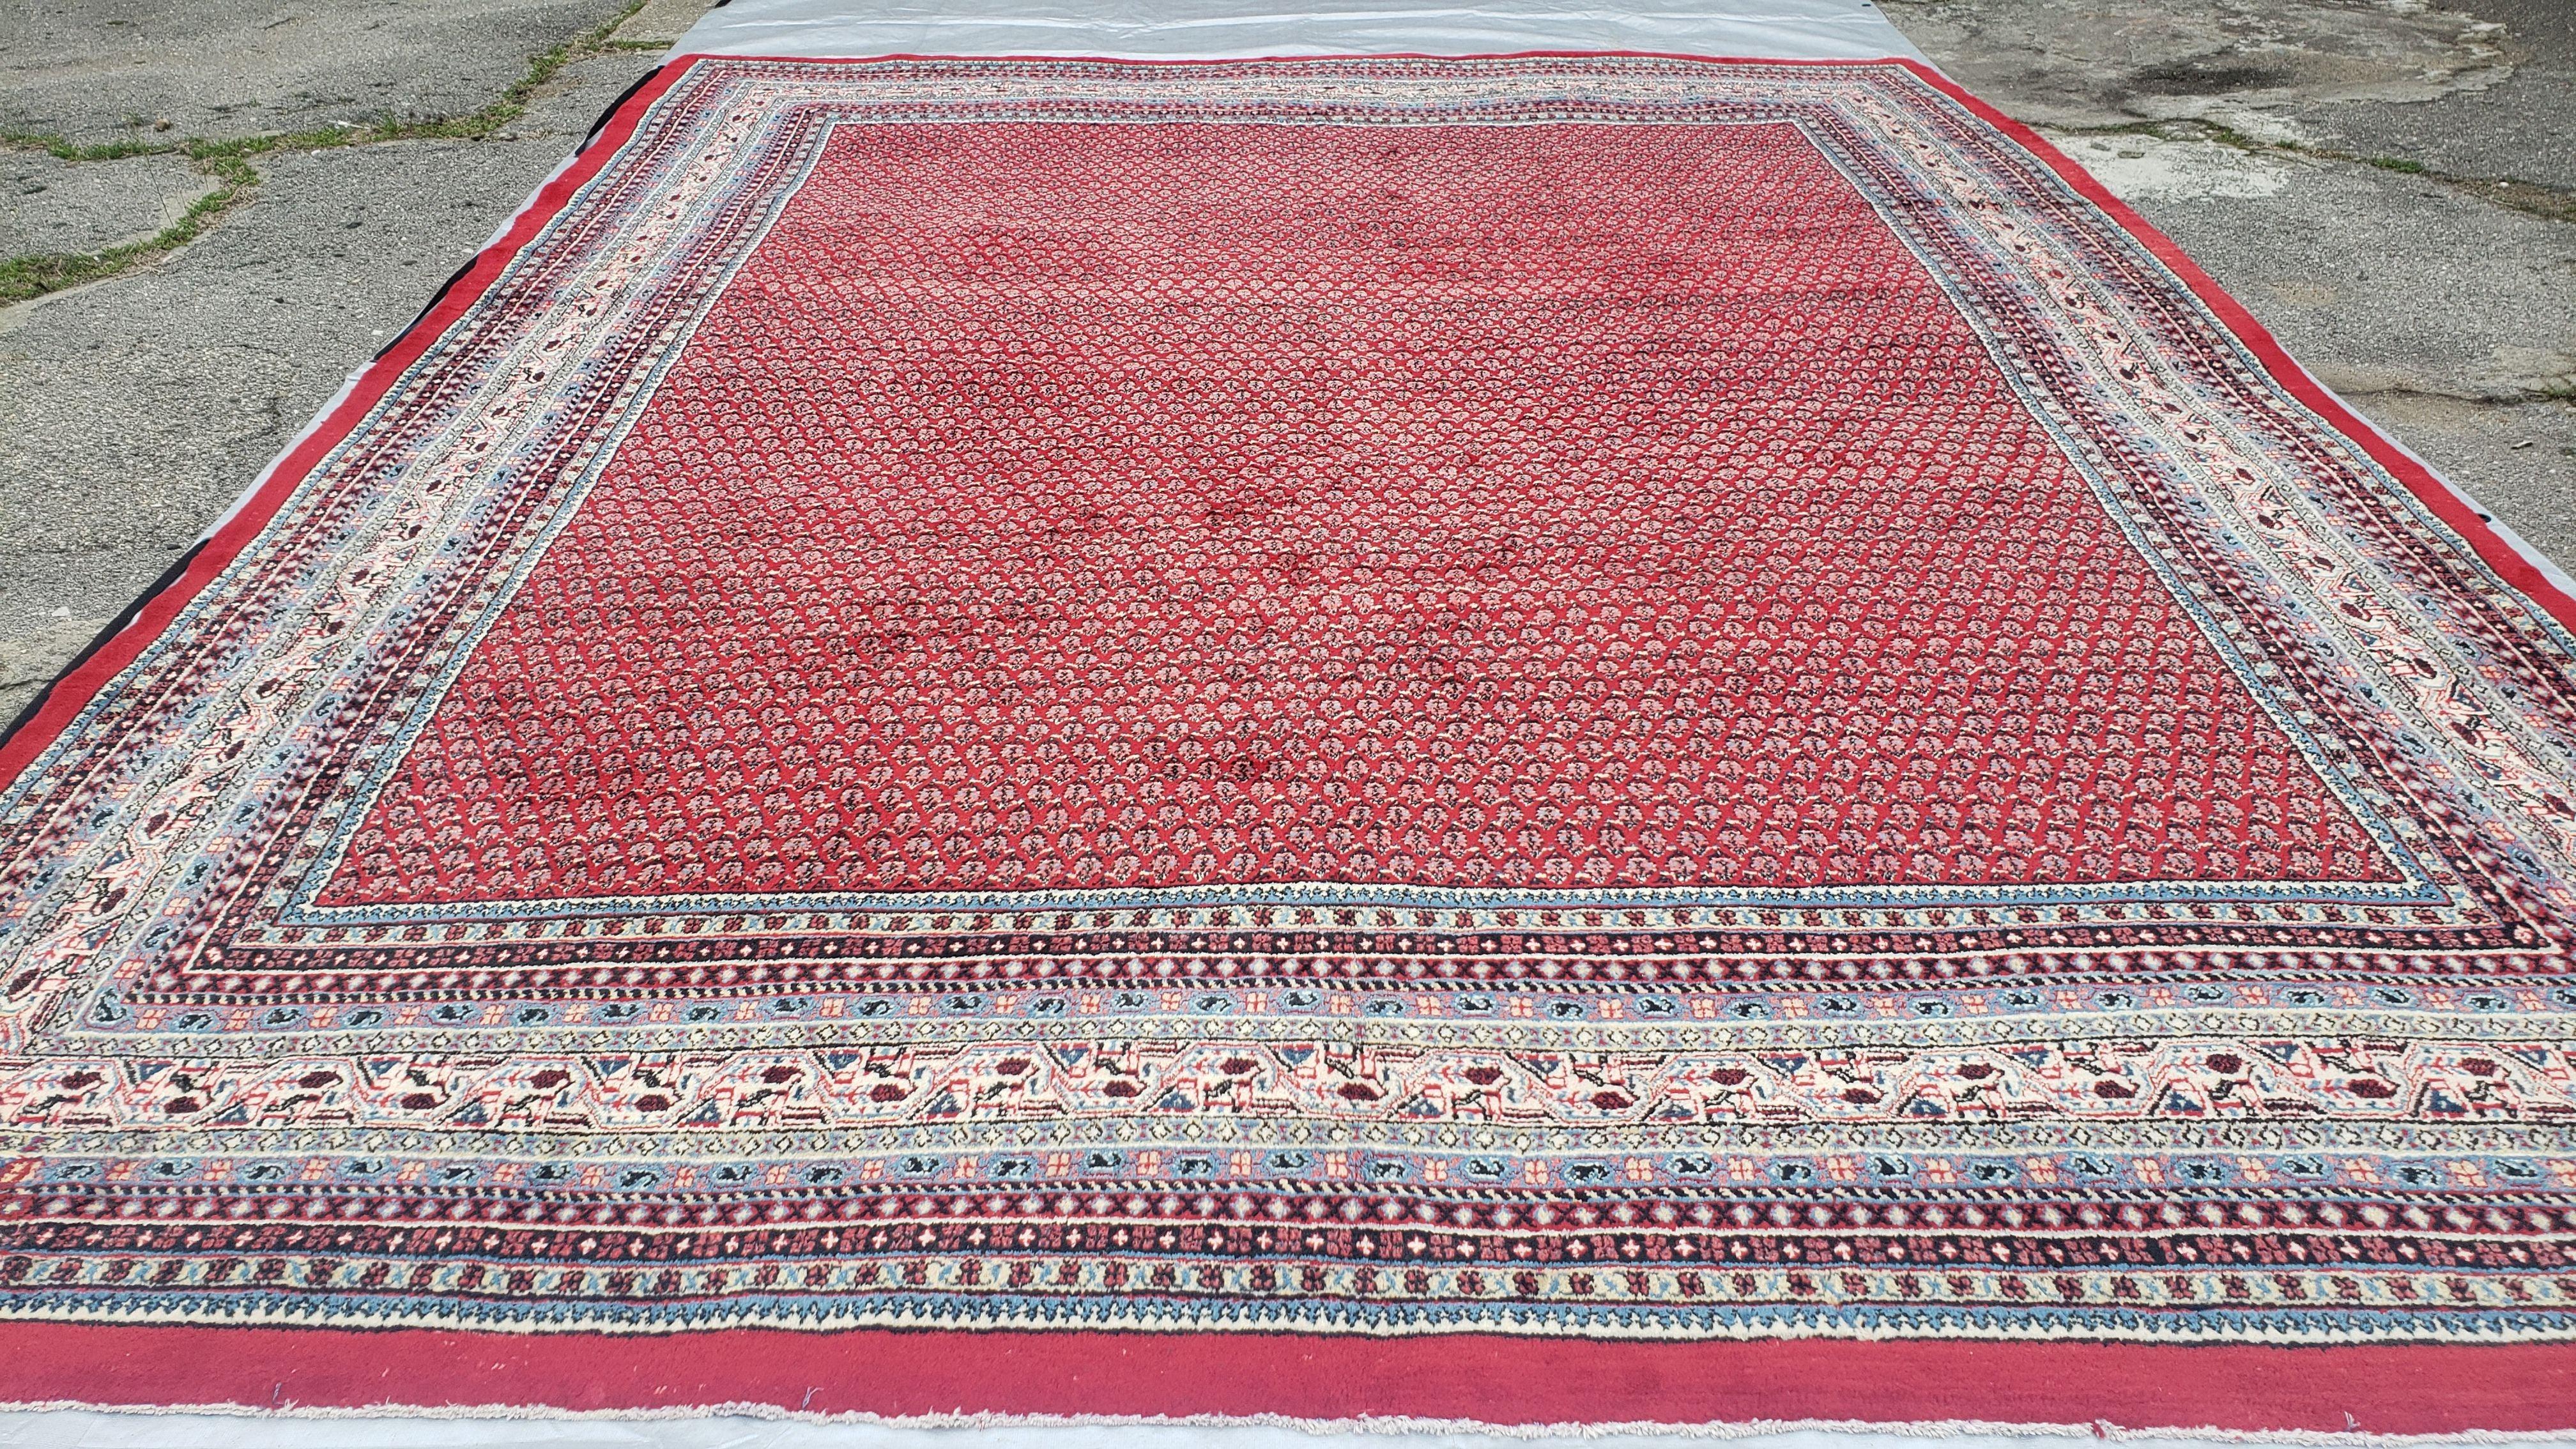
2324	1114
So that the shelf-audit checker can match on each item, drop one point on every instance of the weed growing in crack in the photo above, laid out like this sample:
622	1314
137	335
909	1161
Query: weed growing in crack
228	163
2551	203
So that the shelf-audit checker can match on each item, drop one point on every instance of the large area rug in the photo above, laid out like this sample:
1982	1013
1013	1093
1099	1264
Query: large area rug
1553	740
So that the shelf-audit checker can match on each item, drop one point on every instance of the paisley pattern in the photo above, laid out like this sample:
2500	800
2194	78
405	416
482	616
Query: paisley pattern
1617	696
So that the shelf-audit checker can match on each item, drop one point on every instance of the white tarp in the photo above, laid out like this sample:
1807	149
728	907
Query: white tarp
1234	29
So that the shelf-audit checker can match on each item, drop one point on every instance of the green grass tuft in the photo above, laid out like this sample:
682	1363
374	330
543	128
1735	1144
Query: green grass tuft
228	162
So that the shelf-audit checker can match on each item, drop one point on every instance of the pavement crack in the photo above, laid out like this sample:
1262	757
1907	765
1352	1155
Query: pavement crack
2500	398
228	163
2514	193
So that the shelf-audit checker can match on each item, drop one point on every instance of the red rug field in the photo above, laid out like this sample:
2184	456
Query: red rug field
1561	740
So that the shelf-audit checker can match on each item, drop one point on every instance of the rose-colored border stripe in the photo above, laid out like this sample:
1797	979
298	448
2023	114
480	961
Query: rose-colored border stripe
2380	1389
2427	1389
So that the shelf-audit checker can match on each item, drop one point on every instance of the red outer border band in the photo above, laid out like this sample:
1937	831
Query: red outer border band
2378	1389
1492	1378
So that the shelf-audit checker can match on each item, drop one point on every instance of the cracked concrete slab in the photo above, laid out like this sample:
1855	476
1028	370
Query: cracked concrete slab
134	411
2477	88
2102	62
2142	168
2522	125
101	70
2440	305
51	205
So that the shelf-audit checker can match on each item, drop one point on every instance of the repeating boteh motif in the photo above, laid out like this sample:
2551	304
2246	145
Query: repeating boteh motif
2311	1083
